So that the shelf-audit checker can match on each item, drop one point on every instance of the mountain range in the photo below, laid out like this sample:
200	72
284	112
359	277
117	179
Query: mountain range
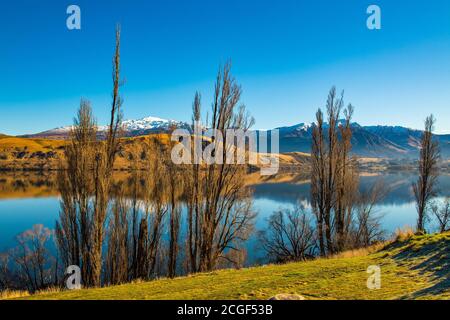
395	142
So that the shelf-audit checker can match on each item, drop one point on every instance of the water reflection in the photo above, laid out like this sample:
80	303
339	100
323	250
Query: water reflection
398	184
31	198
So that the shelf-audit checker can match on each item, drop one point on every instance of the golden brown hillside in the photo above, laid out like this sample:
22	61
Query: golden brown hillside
23	153
17	153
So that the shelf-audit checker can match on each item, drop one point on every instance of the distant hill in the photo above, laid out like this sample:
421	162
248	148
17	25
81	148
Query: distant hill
394	142
19	153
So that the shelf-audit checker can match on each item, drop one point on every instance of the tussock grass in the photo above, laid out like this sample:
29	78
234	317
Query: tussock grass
403	234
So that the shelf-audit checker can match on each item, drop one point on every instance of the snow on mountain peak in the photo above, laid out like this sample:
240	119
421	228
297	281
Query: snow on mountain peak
304	126
147	123
154	119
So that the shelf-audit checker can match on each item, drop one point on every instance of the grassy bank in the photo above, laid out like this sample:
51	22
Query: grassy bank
413	268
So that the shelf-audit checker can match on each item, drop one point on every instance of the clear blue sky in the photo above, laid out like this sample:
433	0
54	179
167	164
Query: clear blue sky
286	54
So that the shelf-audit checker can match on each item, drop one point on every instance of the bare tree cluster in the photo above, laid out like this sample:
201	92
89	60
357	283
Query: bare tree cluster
342	213
289	236
332	174
133	217
29	265
219	204
139	220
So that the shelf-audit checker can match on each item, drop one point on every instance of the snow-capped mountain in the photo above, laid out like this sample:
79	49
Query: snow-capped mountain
130	128
148	123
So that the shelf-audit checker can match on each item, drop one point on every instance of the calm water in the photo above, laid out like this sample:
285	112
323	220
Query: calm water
25	201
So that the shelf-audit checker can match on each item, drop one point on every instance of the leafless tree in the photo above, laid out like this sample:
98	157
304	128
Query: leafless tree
85	182
220	208
174	232
118	246
442	214
368	225
318	179
103	170
194	194
333	177
174	189
155	209
289	236
137	154
347	177
425	187
33	259
6	274
75	184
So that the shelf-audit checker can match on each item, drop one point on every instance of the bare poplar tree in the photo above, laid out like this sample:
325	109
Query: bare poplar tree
103	170
174	189
137	154
220	210
326	169
85	182
347	183
75	184
334	107
425	187
318	177
194	194
155	209
334	176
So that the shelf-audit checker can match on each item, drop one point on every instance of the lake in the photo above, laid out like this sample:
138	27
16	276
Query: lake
28	199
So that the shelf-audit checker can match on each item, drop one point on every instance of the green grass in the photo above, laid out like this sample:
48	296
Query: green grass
417	268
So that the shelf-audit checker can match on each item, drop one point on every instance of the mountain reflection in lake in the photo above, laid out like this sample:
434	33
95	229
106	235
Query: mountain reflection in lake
29	199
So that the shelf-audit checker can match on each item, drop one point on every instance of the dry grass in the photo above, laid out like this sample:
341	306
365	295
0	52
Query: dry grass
403	234
13	294
8	143
361	251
